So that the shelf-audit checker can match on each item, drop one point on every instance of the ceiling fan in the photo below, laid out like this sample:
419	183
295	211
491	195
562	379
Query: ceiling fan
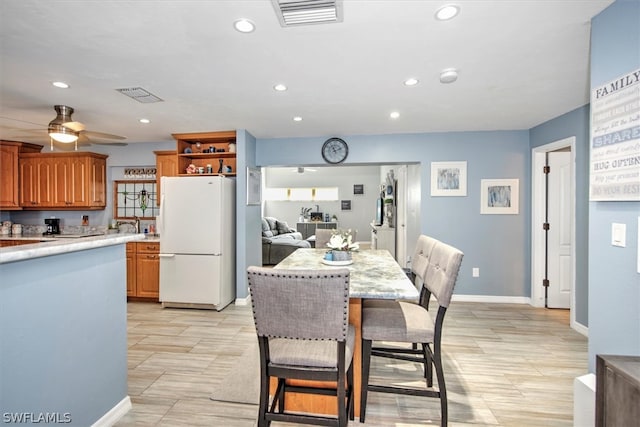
63	129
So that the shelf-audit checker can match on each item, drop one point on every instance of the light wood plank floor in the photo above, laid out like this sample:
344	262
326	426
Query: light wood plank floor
505	365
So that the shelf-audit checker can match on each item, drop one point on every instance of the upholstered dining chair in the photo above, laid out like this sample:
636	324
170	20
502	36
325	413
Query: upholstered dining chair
302	322
417	272
323	235
408	322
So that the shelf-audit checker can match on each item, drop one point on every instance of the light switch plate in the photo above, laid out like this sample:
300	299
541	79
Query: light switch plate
619	234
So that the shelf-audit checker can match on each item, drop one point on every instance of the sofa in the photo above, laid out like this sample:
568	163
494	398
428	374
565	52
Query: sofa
279	240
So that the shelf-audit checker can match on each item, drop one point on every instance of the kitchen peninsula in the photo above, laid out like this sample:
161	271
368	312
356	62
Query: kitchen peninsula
64	330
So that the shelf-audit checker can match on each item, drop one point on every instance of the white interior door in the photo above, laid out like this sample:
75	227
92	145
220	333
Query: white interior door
560	217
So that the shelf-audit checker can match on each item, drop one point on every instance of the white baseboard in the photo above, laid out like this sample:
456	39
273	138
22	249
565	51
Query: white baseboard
114	414
580	328
491	298
243	301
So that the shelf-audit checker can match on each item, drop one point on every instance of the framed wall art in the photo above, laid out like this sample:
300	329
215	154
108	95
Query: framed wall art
448	179
358	188
499	196
254	186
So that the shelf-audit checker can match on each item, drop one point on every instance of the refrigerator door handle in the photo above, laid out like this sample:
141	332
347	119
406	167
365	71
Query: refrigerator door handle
167	255
159	221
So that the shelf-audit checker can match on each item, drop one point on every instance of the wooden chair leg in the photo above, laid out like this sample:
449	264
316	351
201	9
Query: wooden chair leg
442	389
428	364
264	401
350	397
366	364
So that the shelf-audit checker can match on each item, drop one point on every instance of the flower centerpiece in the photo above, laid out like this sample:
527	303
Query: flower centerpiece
341	245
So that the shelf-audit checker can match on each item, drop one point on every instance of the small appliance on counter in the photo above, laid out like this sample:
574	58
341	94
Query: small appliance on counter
316	216
53	226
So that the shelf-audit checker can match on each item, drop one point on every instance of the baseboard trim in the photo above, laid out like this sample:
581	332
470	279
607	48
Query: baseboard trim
114	414
491	298
580	328
243	301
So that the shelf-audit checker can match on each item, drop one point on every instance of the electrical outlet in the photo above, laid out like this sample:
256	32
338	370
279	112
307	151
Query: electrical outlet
475	272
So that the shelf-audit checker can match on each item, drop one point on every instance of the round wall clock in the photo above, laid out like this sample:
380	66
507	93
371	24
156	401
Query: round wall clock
334	150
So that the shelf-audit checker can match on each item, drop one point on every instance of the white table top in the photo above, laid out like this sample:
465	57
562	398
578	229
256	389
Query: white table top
374	273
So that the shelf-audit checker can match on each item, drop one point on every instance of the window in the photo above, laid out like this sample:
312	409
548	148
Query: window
135	198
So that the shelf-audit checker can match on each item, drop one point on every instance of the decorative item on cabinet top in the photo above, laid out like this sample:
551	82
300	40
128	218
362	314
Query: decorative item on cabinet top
139	173
208	153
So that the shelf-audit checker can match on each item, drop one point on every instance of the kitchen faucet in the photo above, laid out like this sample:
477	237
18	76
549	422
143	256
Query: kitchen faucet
135	223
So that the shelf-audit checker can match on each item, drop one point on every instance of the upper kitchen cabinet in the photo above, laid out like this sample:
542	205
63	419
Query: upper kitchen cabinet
63	181
210	153
9	184
166	165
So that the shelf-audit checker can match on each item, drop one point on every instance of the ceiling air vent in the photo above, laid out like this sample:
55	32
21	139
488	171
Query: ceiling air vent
306	12
140	95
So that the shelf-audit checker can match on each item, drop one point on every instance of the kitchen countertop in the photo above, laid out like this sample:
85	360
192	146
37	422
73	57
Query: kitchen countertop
50	245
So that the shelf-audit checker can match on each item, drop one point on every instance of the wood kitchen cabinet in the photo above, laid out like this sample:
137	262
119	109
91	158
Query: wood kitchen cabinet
217	149
143	270
166	165
131	269
8	242
63	181
9	171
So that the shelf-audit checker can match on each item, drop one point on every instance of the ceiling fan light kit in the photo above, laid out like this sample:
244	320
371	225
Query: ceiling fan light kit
57	130
62	134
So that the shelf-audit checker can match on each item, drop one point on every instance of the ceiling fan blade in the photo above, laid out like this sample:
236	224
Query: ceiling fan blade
88	141
74	126
118	144
102	135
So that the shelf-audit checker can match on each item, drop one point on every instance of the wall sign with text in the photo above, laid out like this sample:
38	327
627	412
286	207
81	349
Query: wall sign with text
615	140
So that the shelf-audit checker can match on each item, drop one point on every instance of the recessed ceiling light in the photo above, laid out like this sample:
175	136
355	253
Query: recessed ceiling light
244	25
394	115
145	121
447	12
280	87
448	75
297	119
61	85
411	82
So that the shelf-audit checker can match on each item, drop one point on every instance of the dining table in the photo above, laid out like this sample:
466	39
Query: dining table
373	274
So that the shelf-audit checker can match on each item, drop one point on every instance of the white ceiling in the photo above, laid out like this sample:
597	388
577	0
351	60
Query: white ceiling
520	63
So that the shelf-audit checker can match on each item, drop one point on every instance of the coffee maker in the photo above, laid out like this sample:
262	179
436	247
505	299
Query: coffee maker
53	226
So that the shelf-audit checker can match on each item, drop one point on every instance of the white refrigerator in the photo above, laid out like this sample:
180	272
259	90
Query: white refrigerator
197	242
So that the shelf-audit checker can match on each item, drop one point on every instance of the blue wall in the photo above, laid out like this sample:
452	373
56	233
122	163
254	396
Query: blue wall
574	123
614	283
497	244
63	334
248	225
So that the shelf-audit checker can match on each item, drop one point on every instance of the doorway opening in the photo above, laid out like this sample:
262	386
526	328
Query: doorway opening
553	226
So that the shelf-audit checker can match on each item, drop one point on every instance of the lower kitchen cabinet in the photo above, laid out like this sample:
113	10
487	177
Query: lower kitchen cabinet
9	242
143	270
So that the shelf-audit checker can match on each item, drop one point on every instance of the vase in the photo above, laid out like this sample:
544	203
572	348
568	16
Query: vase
341	255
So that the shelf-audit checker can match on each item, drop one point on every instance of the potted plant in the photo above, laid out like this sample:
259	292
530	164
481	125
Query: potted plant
341	245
